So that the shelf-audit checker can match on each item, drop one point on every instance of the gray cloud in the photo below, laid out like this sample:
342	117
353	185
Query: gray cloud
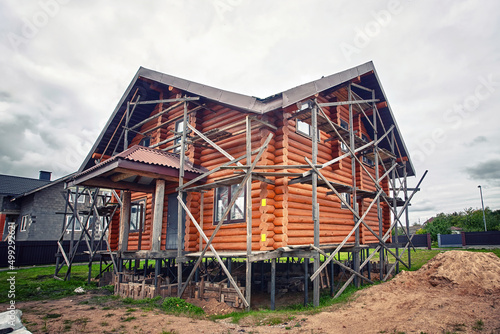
488	170
60	86
477	140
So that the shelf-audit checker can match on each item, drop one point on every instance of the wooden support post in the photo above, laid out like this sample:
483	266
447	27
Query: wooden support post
158	215
315	207
202	199
248	277
394	203
332	278
273	284
157	272
306	281
407	213
355	253
124	221
180	209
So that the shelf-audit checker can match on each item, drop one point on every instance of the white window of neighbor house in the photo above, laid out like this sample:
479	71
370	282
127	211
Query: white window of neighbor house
72	196
24	223
69	225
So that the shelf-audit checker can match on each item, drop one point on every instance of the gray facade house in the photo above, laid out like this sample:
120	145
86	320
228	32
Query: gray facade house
12	187
37	207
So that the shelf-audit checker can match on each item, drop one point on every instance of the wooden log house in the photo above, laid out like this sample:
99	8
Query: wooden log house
253	171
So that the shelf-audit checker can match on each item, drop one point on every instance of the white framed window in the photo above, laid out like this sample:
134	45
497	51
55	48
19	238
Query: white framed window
224	195
347	199
179	127
137	214
303	128
81	198
69	225
24	223
344	125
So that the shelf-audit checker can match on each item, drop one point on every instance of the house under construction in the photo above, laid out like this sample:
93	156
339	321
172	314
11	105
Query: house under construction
215	193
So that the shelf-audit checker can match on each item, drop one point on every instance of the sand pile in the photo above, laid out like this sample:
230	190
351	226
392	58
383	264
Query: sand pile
469	272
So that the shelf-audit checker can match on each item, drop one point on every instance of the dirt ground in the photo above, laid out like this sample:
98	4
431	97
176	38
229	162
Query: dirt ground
455	292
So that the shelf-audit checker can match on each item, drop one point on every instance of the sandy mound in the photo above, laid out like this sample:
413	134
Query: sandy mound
468	272
456	291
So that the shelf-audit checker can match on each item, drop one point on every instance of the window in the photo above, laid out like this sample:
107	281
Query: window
224	195
69	224
98	224
72	195
344	125
179	127
368	161
137	211
24	222
347	198
146	141
303	128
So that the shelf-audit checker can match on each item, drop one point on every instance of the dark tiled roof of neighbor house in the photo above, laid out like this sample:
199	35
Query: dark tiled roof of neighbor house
16	185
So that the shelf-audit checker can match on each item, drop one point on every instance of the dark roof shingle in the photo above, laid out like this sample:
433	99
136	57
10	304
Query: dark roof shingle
16	185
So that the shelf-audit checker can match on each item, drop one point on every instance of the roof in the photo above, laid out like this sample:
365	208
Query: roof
50	184
15	185
110	138
149	156
136	169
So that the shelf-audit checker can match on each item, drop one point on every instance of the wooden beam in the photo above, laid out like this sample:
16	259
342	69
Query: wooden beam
183	99
124	221
158	215
121	176
107	183
342	103
381	105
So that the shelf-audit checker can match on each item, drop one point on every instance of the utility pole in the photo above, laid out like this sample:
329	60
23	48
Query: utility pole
482	204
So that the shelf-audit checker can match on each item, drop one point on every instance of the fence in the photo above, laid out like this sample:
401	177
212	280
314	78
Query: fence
467	239
28	253
418	240
491	238
449	240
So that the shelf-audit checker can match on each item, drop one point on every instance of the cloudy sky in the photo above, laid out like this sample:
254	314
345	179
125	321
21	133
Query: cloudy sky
65	64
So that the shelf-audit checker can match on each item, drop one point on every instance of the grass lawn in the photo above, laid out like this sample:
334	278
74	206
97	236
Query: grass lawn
38	283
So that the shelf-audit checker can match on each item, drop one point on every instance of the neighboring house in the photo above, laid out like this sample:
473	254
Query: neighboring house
138	152
11	187
37	207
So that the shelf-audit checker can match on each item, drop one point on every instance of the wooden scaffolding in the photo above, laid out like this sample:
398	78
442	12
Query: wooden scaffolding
389	165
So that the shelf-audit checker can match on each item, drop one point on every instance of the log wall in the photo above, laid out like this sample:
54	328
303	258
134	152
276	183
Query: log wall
286	217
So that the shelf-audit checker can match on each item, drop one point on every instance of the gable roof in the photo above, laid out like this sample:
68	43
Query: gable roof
15	185
112	133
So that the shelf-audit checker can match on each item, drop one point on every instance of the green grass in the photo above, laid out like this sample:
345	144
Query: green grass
176	305
38	283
